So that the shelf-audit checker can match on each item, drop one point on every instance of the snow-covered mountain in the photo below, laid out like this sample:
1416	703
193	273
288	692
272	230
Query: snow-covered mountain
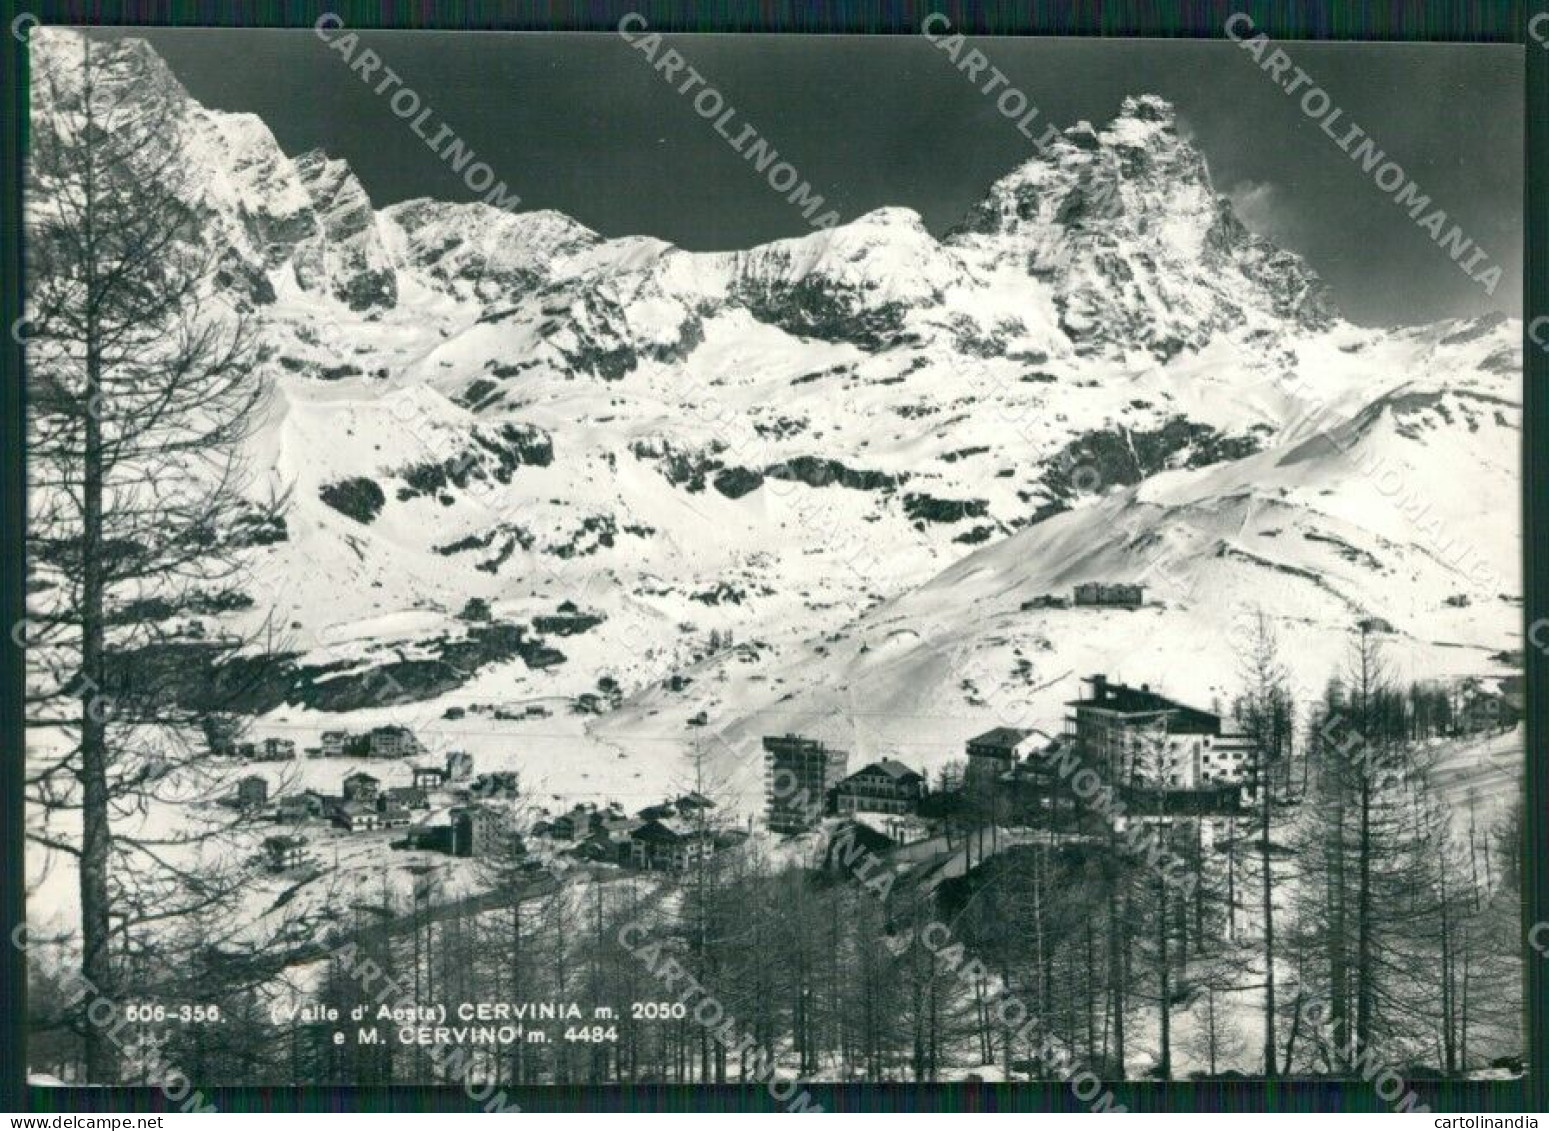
1136	245
861	452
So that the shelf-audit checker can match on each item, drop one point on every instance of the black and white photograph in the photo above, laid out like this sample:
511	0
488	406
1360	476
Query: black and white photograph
647	558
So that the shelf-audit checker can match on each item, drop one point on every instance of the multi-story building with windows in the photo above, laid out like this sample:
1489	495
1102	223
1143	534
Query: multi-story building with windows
798	775
882	787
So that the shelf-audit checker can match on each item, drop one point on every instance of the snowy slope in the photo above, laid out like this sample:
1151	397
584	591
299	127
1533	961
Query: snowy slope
859	452
1400	514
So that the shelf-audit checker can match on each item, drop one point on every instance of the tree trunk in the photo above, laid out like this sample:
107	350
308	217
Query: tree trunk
1116	979
1364	925
96	961
1164	978
1269	934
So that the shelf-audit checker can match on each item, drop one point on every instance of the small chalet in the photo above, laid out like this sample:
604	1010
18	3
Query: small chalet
1114	596
1485	710
882	787
428	777
612	840
332	743
901	829
404	796
669	845
278	749
356	817
574	825
362	788
286	852
300	806
996	751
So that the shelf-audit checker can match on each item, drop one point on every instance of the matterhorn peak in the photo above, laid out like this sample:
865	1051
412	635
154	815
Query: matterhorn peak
1149	108
1125	225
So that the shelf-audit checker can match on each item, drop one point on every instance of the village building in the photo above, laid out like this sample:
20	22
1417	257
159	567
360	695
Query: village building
393	742
332	743
690	806
278	749
1031	791
301	806
902	830
567	622
430	838
1125	733
286	853
428	777
362	788
403	796
477	830
881	787
1485	710
995	751
391	815
611	841
574	825
669	845
1115	596
799	774
693	802
252	792
1227	759
1157	749
356	817
613	818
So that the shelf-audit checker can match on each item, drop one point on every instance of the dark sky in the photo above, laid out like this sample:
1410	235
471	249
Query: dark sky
582	124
